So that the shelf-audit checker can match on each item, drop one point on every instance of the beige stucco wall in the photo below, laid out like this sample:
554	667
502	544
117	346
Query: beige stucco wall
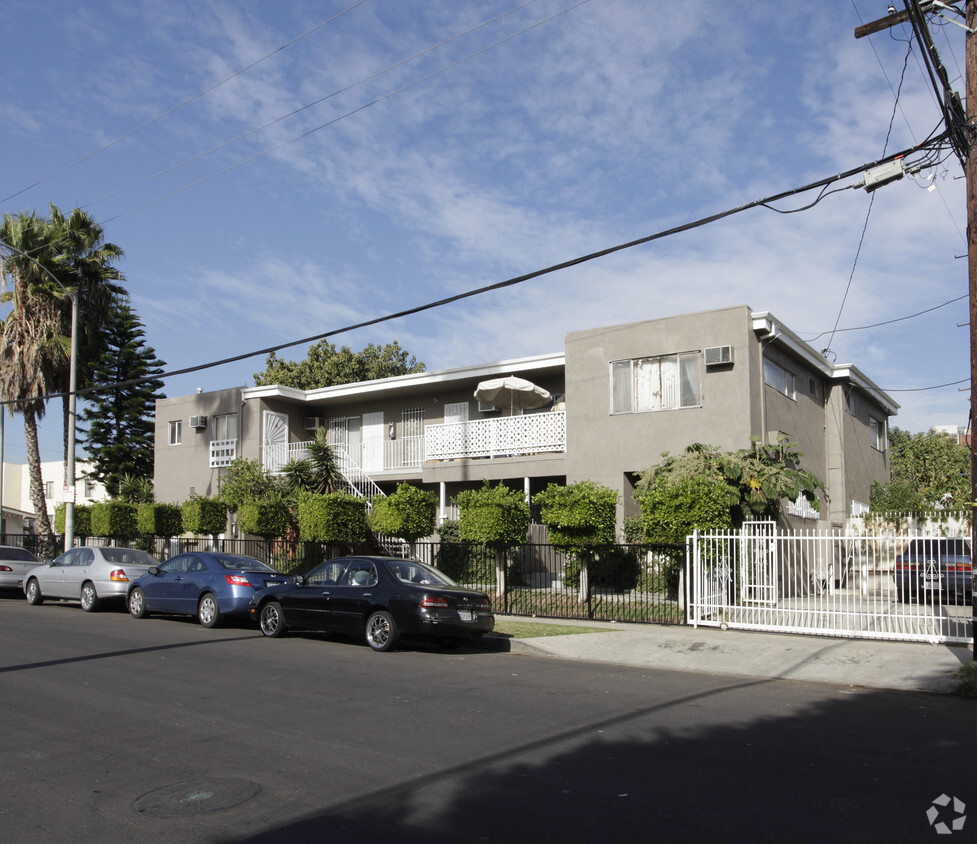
603	447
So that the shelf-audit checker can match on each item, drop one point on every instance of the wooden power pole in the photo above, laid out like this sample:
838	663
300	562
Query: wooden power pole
964	147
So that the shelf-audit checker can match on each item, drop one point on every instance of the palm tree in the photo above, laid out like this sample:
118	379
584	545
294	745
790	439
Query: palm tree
35	335
317	472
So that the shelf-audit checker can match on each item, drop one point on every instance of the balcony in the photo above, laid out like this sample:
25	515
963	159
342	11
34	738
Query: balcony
507	436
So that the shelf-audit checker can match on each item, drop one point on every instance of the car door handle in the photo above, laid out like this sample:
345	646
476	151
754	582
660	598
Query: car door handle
326	594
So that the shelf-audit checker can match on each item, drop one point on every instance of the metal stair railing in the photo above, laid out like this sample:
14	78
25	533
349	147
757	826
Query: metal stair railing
357	482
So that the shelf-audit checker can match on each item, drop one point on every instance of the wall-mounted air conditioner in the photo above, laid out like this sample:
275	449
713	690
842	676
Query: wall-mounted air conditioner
719	355
198	421
314	422
486	407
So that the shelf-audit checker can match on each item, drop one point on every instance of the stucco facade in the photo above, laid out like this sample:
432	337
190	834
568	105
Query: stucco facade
622	396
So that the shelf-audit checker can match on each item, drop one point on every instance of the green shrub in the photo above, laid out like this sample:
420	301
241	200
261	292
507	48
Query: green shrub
672	512
83	519
410	513
335	517
204	516
495	516
269	519
116	519
967	681
159	519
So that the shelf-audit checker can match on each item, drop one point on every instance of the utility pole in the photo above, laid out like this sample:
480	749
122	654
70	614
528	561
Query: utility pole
961	125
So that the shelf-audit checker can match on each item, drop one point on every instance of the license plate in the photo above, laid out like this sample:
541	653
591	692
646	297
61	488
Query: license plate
466	615
931	584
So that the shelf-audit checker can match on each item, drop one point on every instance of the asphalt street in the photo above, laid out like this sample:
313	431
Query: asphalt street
160	730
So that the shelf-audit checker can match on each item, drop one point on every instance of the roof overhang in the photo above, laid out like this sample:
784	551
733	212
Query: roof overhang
768	327
418	382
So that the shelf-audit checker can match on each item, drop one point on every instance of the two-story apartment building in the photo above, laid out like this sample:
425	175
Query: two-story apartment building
621	396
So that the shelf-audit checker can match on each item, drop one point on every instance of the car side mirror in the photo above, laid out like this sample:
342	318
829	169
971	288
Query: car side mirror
153	570
300	579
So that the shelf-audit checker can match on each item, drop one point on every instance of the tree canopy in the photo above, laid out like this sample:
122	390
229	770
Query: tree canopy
753	481
120	422
928	469
325	366
46	260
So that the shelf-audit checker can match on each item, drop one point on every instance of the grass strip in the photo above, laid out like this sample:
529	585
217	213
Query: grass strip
507	629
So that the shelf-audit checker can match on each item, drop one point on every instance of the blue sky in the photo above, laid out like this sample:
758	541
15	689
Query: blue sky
550	132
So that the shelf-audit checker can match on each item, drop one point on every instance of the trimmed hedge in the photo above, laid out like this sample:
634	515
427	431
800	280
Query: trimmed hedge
334	517
164	520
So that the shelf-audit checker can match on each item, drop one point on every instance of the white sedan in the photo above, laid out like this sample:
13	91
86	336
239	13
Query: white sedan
15	562
88	574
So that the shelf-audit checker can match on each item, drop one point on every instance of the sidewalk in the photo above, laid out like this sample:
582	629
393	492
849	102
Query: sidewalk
870	663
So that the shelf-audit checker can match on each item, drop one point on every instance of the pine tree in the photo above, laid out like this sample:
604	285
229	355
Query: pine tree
121	422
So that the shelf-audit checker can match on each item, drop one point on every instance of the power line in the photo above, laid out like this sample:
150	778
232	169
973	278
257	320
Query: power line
511	282
169	111
335	120
885	322
306	107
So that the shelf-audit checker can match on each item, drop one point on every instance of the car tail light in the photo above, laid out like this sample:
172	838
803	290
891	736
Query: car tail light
434	603
5	568
237	580
118	576
900	566
959	567
485	604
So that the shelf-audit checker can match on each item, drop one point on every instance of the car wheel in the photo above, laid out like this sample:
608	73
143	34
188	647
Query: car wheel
208	612
271	620
381	631
137	603
33	592
89	597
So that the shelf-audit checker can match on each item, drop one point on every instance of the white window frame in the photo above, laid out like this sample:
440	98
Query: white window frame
779	378
877	433
656	382
224	426
176	432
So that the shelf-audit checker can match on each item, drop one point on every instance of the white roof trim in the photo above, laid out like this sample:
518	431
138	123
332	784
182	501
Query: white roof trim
417	379
771	328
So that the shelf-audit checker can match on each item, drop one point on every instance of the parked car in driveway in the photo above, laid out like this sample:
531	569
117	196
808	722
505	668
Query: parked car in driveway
935	569
206	584
381	598
15	562
88	574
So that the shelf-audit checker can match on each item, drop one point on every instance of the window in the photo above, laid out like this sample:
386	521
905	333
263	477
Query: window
660	383
225	426
877	433
89	488
780	379
176	432
49	490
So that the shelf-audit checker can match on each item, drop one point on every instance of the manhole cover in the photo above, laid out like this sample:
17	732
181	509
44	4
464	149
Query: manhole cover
195	797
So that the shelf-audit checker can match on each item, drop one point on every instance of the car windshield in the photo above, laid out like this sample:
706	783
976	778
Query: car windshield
132	556
411	571
234	563
17	554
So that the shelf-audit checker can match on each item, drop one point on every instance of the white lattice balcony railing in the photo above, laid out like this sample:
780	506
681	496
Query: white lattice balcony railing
405	453
222	452
503	437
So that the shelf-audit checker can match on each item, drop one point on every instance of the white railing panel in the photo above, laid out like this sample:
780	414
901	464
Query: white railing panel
222	453
501	437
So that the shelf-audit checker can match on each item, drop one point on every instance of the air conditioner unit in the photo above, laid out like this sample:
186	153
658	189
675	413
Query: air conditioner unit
486	407
719	355
198	421
314	422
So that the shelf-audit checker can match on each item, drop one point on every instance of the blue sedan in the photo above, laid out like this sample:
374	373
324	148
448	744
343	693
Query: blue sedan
206	584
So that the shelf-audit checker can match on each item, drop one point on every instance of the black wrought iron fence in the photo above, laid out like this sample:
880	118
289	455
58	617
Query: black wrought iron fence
636	583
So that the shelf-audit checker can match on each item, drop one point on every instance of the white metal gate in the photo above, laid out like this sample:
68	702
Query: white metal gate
830	584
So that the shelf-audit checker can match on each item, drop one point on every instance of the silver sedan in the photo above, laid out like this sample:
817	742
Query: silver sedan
15	562
88	574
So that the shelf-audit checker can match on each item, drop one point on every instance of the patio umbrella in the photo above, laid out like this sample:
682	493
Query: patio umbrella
514	391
